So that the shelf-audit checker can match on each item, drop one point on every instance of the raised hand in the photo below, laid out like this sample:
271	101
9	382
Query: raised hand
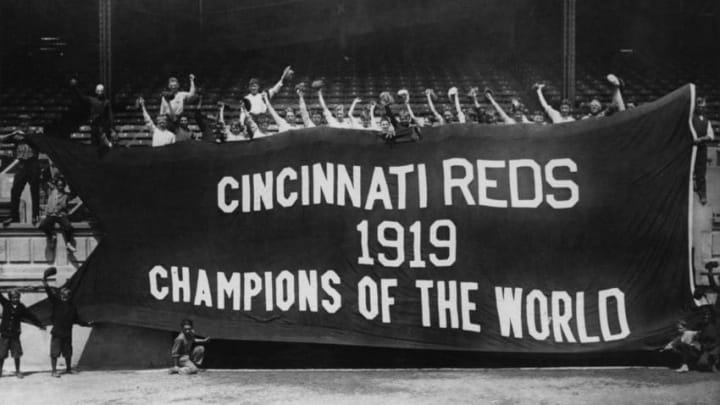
287	73
192	77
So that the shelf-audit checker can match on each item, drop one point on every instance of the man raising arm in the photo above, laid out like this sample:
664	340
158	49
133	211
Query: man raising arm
556	116
161	136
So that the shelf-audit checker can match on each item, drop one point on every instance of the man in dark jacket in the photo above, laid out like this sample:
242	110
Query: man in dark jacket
28	171
64	316
13	313
98	105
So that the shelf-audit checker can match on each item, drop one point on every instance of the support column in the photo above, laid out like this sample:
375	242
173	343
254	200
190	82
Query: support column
568	90
104	43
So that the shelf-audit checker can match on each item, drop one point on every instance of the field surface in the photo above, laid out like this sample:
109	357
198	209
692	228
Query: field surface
365	387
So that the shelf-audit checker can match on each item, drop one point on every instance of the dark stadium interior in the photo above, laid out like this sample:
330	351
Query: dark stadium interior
361	48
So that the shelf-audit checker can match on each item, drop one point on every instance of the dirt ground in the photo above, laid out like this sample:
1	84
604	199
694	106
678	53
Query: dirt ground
365	387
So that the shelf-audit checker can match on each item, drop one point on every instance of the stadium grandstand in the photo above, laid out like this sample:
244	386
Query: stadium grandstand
359	49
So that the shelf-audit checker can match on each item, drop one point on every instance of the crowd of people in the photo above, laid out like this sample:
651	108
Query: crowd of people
698	341
64	316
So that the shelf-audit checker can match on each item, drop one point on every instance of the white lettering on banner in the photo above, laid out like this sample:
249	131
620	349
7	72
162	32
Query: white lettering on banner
180	283
447	304
395	240
373	301
223	204
154	274
228	288
558	312
202	291
378	191
286	200
464	182
239	291
323	183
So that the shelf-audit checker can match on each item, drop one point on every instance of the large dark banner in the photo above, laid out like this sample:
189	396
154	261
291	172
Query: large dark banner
523	238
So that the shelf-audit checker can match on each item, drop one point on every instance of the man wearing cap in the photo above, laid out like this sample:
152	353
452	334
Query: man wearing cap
255	98
186	354
13	313
556	116
100	115
28	170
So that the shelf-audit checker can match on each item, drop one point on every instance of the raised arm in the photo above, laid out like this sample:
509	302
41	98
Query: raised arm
551	112
405	95
191	93
460	113
326	112
617	98
304	111
280	121
4	301
371	108
77	92
148	121
50	291
276	88
438	117
351	113
506	118
250	124
222	113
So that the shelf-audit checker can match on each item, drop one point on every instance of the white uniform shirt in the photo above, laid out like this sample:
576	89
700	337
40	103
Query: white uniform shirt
162	137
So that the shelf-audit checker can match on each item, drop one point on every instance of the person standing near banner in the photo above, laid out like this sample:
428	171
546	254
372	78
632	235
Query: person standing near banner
13	313
705	133
28	171
64	316
186	354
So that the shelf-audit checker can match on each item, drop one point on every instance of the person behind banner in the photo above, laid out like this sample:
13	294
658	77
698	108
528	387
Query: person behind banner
335	119
187	355
183	132
64	316
704	130
56	212
282	124
557	117
172	101
395	131
161	135
13	313
257	105
242	129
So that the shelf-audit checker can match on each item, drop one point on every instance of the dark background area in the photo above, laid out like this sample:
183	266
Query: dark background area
46	38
